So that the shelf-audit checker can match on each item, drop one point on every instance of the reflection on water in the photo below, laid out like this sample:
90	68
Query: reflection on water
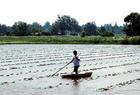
75	82
75	87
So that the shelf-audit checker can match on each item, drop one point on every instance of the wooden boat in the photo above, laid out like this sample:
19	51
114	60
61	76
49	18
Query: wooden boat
82	75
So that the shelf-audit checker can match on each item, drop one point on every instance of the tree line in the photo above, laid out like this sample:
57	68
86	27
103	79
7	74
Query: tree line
66	25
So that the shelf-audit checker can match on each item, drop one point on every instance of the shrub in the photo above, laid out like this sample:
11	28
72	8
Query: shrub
107	34
83	34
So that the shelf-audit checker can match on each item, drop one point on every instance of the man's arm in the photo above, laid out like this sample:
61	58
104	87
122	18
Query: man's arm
77	58
71	60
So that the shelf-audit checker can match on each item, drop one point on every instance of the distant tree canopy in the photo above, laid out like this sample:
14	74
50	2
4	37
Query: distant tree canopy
47	27
132	27
5	30
23	29
2	29
36	28
20	28
101	29
65	25
90	28
110	30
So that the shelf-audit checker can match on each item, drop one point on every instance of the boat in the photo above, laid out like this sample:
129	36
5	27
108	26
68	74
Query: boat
82	75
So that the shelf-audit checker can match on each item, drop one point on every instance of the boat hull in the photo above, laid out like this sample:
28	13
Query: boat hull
83	75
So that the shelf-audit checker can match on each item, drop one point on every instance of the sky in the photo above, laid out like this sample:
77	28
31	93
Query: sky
99	11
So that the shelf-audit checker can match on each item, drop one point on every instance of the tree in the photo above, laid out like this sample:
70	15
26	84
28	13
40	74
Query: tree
36	29
102	29
47	27
3	29
133	24
117	29
108	29
55	29
65	25
90	28
9	31
20	29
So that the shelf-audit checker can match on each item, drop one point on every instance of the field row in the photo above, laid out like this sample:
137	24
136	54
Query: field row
48	75
60	60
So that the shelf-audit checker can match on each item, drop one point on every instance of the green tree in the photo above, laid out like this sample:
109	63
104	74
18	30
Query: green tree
90	28
20	28
102	29
47	27
55	29
133	24
3	30
36	29
65	25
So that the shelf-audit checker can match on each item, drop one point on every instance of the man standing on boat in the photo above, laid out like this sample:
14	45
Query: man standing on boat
75	61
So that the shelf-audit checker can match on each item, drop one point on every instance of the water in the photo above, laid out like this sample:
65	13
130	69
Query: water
27	69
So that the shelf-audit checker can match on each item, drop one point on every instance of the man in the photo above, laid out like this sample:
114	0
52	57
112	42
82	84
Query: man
76	62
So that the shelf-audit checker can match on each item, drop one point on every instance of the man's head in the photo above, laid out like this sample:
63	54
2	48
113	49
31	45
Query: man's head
75	52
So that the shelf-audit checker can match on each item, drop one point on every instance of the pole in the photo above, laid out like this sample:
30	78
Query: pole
60	69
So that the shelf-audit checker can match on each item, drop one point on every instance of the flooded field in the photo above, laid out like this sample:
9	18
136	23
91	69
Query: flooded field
27	70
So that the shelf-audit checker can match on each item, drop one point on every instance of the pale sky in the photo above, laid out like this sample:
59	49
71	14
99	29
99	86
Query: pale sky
100	11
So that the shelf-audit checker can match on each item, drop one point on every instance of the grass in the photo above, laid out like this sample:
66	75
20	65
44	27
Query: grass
68	40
